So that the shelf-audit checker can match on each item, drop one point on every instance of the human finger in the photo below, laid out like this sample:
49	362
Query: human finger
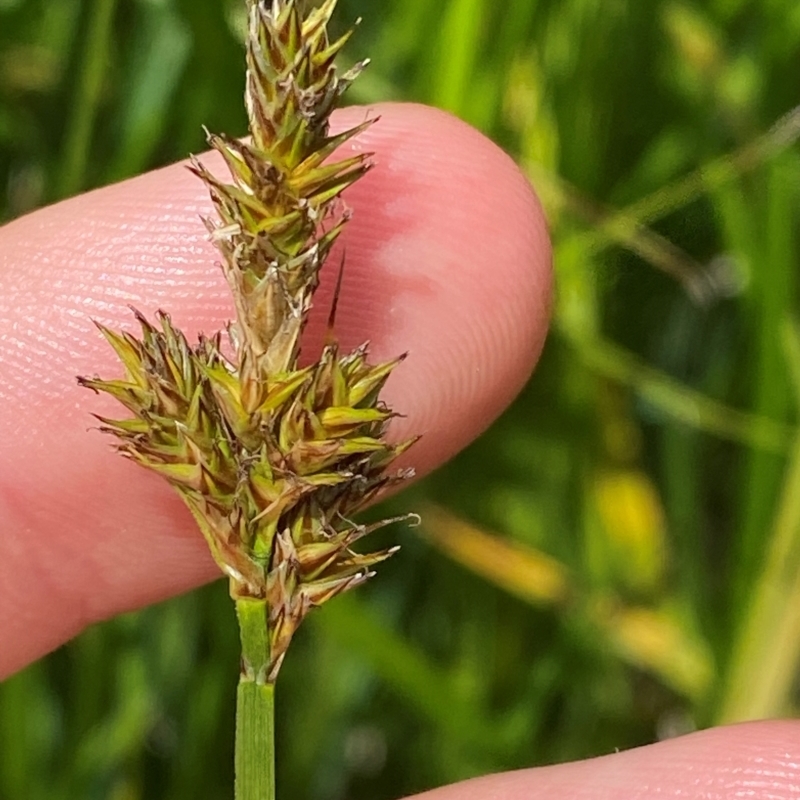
758	760
446	257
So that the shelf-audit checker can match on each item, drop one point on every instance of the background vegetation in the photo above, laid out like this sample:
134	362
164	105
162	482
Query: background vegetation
618	558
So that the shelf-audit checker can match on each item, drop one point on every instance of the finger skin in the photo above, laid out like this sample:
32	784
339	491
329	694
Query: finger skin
757	760
447	257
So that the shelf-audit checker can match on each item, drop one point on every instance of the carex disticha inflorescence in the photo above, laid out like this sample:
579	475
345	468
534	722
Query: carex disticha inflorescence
273	459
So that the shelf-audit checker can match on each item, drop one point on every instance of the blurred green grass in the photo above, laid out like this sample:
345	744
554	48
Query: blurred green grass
618	558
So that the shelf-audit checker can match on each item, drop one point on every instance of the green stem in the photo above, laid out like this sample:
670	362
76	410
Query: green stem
94	69
255	707
767	644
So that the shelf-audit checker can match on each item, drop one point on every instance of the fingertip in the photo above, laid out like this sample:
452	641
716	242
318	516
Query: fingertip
759	760
447	258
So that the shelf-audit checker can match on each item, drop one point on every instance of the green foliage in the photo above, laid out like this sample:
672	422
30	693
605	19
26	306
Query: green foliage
649	471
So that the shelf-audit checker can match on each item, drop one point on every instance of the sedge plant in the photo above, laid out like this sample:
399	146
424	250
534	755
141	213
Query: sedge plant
272	457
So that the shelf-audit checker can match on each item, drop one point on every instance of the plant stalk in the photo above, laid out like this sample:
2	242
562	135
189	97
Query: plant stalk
255	706
94	69
767	643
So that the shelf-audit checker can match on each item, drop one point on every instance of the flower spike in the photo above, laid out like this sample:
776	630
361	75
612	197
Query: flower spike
271	458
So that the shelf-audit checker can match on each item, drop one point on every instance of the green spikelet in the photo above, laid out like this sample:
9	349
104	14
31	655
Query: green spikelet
272	460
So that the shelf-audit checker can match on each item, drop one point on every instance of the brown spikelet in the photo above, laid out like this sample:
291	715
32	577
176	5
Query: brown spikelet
273	460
